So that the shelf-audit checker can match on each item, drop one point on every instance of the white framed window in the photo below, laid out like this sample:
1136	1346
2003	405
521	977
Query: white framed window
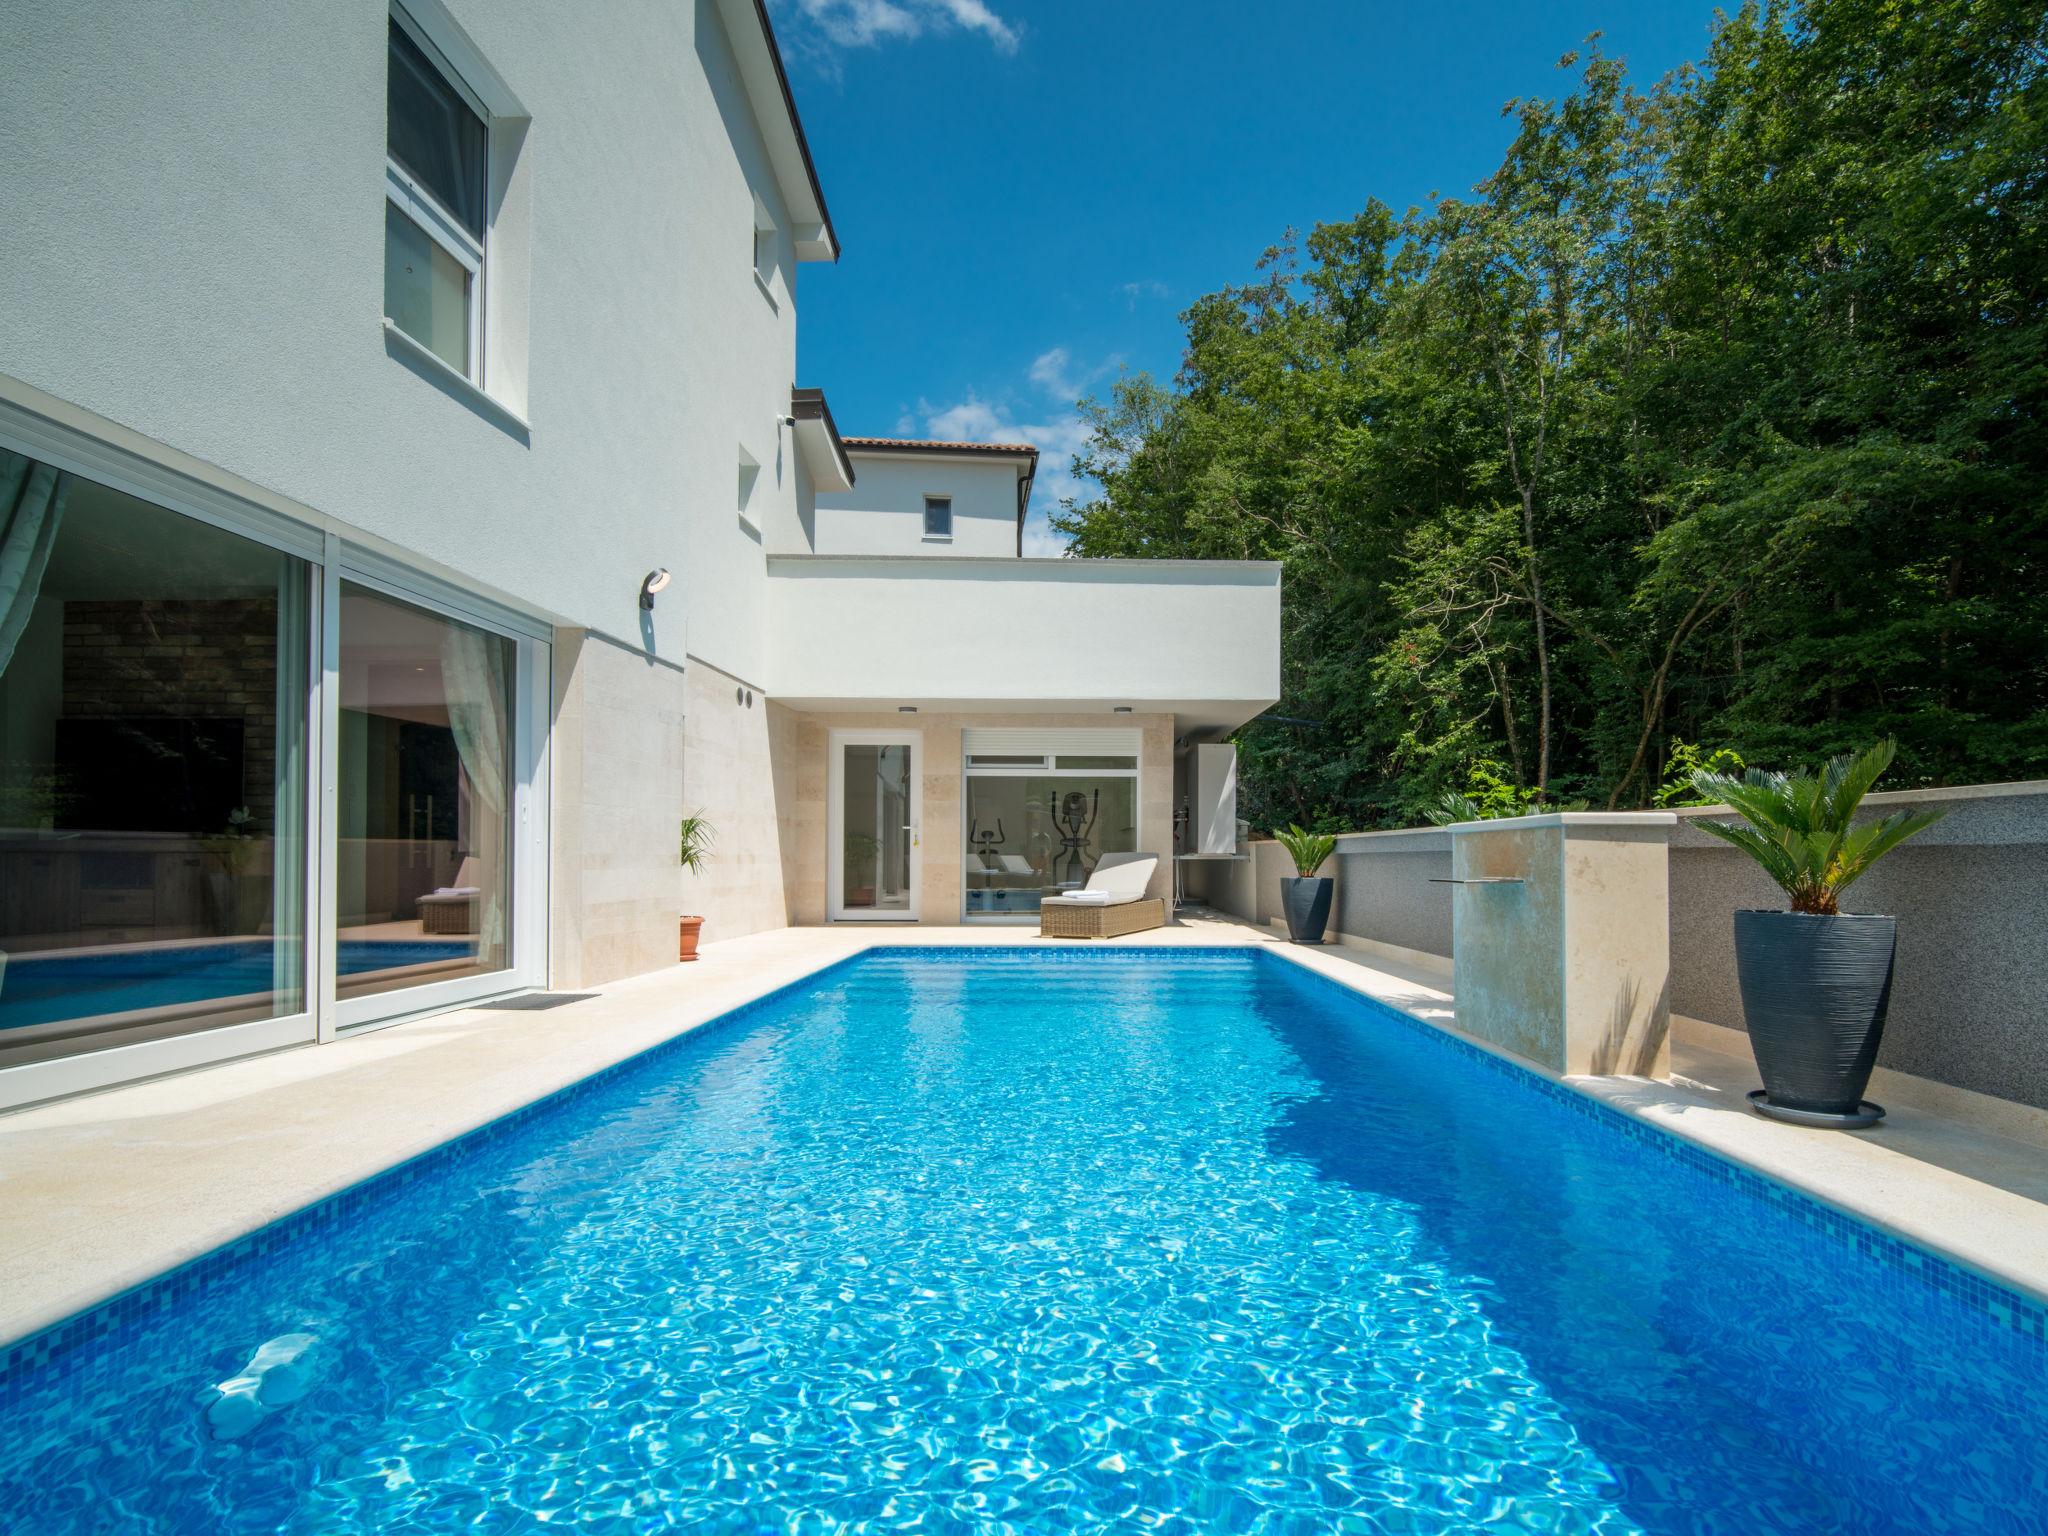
1039	809
436	171
938	517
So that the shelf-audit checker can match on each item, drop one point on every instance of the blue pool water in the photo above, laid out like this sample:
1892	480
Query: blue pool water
1014	1241
40	989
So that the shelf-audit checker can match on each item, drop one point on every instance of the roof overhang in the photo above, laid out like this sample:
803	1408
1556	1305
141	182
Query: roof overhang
818	440
989	634
1023	455
766	83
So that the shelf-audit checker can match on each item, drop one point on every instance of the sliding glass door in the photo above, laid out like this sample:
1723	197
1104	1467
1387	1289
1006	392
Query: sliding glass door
423	835
256	786
1040	811
153	690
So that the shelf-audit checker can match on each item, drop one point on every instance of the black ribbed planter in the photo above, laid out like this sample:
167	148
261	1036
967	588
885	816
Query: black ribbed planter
1814	994
1307	905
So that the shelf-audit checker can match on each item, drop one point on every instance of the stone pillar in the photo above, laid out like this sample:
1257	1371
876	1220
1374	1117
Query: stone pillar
1560	939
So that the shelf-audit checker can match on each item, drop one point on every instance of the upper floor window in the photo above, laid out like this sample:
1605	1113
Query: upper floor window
938	517
436	142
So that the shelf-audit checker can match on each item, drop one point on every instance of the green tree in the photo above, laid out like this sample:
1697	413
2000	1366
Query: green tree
1715	414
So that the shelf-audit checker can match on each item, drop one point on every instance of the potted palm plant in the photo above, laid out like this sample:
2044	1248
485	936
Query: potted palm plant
1816	981
696	848
1305	897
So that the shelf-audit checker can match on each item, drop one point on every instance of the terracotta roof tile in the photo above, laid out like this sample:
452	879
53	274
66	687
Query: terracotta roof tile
928	446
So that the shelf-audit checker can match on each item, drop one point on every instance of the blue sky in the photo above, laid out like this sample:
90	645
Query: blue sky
1029	191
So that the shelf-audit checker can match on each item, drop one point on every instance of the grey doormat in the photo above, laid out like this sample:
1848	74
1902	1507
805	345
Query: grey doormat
527	1001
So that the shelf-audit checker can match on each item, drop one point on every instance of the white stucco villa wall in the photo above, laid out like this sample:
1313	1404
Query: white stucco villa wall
884	512
1199	639
191	223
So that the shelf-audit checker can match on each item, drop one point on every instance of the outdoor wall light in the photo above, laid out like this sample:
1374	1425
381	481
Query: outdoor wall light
906	709
656	580
1120	709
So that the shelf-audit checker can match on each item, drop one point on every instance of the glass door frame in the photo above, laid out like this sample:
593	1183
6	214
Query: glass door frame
47	430
1051	751
836	909
75	451
527	844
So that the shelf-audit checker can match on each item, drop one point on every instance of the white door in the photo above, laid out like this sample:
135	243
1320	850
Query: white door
874	831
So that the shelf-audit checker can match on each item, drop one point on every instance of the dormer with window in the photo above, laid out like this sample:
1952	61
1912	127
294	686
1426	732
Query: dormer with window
924	498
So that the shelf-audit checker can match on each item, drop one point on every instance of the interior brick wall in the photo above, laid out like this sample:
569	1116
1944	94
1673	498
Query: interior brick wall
212	659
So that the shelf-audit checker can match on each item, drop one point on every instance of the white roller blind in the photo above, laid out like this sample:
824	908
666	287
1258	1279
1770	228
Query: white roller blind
1121	742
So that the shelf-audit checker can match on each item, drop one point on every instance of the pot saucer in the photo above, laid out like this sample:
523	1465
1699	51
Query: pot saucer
1865	1114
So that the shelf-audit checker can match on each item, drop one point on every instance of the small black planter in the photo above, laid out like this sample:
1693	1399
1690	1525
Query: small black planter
1814	992
1307	905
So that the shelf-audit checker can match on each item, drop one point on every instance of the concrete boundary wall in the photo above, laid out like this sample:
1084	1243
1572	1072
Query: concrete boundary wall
1970	999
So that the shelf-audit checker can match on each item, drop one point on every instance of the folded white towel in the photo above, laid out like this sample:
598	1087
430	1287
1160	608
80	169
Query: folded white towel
458	890
1086	898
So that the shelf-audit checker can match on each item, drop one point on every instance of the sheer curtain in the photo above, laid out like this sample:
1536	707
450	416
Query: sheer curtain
32	503
473	673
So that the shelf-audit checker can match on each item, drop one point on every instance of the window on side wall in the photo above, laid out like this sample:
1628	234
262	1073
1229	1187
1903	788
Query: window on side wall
435	172
938	517
764	248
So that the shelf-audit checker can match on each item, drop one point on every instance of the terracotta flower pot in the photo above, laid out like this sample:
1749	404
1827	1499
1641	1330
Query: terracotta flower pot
687	947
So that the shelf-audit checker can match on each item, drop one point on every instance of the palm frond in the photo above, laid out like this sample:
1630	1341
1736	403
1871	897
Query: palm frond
1873	840
1802	828
1777	863
1852	774
1309	850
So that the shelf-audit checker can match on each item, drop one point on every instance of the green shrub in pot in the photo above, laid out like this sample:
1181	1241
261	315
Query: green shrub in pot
1815	980
1305	898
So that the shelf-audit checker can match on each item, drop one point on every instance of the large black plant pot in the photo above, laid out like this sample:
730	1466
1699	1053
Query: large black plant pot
1814	993
1307	905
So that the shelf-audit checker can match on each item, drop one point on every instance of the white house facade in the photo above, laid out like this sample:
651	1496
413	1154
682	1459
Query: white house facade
407	516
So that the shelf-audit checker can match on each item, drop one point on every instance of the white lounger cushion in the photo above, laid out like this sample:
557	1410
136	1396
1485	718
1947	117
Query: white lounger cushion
1124	874
1119	879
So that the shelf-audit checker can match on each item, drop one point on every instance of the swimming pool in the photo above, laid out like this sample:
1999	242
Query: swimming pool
44	988
1013	1240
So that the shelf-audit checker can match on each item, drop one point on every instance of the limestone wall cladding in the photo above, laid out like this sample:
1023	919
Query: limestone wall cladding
616	760
739	770
1971	896
939	767
1559	948
1504	935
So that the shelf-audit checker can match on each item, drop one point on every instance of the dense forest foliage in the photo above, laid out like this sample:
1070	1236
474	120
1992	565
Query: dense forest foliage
1713	420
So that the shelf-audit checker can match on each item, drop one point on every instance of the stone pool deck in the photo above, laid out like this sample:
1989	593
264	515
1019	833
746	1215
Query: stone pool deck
100	1193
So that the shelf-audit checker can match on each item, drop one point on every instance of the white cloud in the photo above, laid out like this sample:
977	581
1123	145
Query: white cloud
1052	372
870	23
1143	288
1055	372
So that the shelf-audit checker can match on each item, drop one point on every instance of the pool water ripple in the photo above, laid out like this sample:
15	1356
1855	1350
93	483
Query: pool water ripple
1005	1242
